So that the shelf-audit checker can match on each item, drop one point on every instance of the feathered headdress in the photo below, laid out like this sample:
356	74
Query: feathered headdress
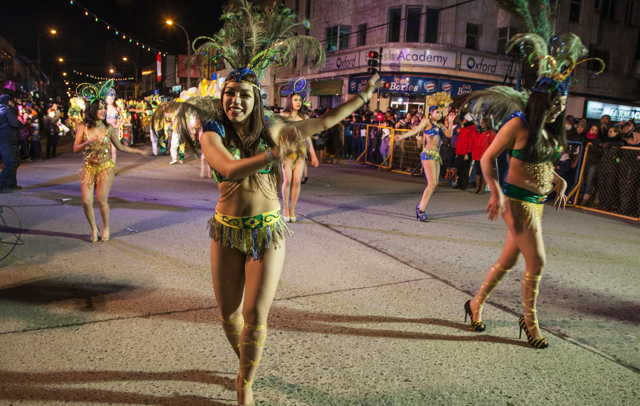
439	100
298	86
252	39
555	56
92	92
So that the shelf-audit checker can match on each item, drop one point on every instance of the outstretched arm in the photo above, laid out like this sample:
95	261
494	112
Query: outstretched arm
294	132
120	146
415	130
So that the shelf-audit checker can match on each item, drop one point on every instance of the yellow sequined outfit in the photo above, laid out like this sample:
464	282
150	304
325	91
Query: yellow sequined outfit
293	159
94	172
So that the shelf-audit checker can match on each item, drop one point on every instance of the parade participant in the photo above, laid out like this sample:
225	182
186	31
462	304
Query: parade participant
95	137
75	112
430	156
115	119
244	146
293	166
533	130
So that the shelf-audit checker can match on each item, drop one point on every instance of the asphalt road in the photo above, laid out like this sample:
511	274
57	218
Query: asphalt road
368	310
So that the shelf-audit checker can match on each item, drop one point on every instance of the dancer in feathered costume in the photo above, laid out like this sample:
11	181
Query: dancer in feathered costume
245	149
75	111
95	137
296	108
533	131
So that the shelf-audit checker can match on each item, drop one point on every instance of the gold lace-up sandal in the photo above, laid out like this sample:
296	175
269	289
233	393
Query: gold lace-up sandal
530	311
250	363
496	273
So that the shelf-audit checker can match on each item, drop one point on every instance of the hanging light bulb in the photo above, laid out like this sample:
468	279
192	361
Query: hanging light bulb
86	13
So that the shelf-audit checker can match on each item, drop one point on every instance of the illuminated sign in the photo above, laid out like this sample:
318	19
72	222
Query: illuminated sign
618	112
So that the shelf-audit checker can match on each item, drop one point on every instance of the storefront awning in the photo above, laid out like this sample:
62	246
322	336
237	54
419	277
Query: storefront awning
326	88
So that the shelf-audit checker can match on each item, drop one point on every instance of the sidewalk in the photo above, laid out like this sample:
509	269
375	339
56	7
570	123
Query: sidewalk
368	310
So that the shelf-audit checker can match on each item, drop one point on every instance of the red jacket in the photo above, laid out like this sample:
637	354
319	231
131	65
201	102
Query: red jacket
481	142
465	140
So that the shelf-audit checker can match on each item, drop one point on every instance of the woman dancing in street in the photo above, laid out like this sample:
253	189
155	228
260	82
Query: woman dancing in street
244	146
534	132
295	165
95	137
430	156
114	118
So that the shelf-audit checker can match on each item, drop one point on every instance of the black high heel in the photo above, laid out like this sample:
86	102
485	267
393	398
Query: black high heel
475	325
535	343
420	215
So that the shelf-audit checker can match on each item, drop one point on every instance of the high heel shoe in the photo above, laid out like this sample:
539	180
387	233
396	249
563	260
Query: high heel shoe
93	239
475	325
420	215
535	343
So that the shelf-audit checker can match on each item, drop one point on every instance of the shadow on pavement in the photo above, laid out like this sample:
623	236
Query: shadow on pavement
16	386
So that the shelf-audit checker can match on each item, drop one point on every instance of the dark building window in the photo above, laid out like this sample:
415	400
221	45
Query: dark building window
609	8
296	7
431	31
412	33
473	36
574	10
336	38
595	65
308	10
394	24
629	12
504	35
362	35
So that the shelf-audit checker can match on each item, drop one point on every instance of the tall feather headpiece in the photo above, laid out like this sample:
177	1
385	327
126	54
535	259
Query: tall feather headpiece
439	100
298	86
555	56
252	39
91	92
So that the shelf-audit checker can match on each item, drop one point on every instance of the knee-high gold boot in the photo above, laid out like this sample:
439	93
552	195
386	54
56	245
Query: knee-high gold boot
529	295
249	362
493	279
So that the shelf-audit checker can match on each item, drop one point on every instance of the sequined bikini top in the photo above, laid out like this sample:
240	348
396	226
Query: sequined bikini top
235	151
549	155
433	132
98	151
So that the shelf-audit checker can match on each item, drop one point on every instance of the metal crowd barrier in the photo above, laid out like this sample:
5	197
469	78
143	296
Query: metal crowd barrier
609	182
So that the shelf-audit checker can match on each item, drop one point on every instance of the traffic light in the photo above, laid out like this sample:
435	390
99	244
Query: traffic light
373	62
385	90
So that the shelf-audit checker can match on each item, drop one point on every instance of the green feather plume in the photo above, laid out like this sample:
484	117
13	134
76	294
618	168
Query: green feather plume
497	102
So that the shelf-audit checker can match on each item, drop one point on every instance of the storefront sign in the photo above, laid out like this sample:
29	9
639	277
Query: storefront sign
479	64
342	62
618	112
159	67
176	89
415	57
414	85
458	87
326	88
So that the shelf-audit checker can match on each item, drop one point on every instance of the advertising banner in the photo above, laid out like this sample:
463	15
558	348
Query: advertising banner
342	62
415	57
159	67
458	87
479	64
618	112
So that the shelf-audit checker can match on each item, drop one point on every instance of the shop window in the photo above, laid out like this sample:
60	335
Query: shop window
629	12
394	24
433	21
362	35
473	36
574	11
504	35
412	26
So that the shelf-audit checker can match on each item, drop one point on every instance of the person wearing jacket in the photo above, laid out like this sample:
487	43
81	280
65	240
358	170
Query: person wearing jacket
481	141
50	128
463	151
8	125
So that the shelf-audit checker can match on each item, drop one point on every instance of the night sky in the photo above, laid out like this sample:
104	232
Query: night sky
81	41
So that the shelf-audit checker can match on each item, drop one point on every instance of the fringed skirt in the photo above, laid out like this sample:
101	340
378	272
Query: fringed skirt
251	235
430	155
525	206
96	174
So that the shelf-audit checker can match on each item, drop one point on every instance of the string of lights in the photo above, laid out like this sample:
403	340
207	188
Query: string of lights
117	31
101	77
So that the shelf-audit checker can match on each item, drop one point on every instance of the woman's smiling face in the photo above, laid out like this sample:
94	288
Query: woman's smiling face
557	107
238	101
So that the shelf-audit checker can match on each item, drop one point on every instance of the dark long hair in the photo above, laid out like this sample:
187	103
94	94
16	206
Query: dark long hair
257	125
288	106
536	111
91	114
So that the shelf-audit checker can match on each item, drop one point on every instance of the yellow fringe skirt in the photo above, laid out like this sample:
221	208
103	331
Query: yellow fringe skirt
251	235
96	174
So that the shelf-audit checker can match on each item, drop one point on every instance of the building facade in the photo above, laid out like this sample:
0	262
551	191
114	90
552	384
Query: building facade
455	46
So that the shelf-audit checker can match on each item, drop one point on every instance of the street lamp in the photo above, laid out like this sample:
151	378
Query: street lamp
64	73
188	52
52	32
60	60
135	86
